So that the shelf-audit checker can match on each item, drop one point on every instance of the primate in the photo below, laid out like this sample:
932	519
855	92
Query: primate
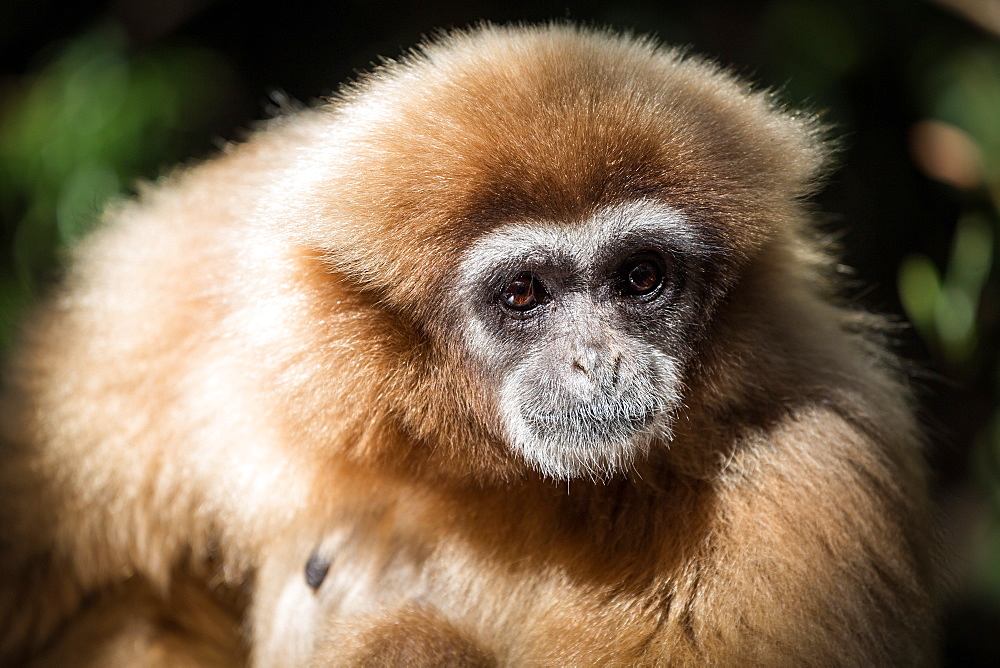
523	350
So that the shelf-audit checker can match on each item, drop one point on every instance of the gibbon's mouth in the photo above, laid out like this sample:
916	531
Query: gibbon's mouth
588	426
584	441
597	432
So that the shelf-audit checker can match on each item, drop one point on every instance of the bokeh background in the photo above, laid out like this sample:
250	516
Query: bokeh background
96	96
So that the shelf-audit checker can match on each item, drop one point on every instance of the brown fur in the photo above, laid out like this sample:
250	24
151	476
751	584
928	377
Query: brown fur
409	637
260	356
134	625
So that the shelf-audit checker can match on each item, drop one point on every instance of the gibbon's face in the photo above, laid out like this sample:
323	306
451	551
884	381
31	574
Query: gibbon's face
584	328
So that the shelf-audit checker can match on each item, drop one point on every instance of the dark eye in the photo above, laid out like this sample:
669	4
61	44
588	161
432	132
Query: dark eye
523	293
641	275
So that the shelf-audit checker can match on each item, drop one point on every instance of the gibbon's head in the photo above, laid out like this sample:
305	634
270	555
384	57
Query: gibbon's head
558	211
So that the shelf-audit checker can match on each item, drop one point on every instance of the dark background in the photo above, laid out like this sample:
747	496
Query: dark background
96	95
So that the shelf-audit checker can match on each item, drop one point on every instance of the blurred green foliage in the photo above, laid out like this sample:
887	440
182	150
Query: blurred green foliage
954	307
962	90
78	133
944	309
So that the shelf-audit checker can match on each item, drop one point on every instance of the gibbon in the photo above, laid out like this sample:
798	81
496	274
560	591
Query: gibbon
524	350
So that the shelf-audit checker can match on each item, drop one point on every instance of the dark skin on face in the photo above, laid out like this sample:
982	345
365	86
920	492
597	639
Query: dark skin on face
639	276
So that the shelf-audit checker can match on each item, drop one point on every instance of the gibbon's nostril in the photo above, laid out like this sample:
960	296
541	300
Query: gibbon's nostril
616	370
581	367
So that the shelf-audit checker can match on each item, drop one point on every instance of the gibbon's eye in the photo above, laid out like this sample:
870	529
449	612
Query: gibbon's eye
641	275
523	293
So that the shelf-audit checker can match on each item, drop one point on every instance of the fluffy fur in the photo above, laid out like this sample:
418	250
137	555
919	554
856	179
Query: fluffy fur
269	354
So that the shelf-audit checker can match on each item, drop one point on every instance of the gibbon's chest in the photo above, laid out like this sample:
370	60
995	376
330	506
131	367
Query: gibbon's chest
529	588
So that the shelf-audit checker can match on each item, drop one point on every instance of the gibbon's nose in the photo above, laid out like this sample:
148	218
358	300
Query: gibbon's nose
601	367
